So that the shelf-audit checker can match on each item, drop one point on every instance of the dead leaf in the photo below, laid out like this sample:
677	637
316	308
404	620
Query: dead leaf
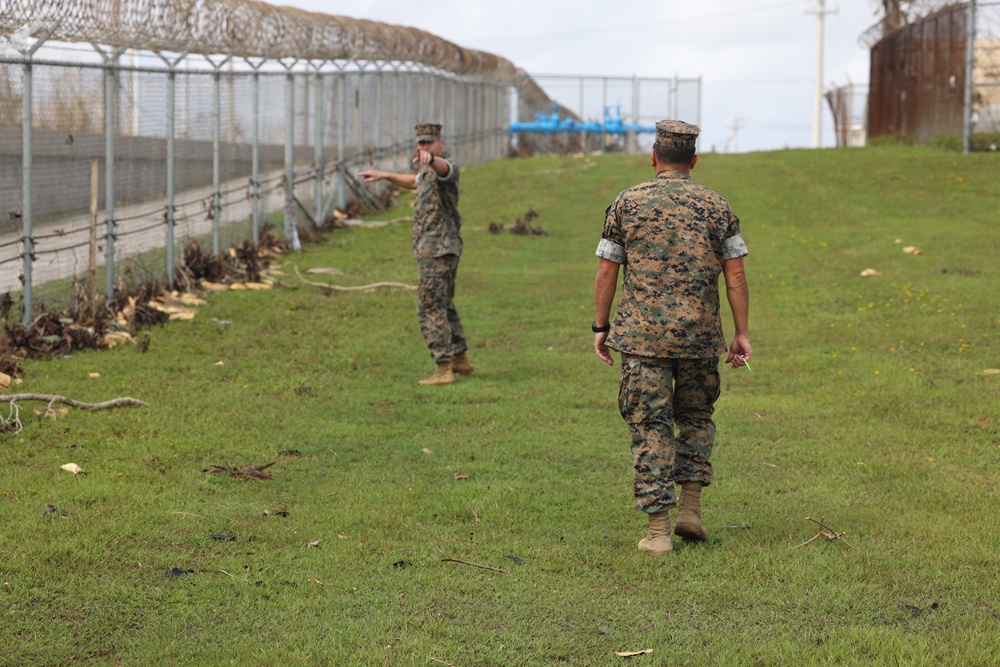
461	475
52	413
912	250
867	273
316	581
343	537
166	307
112	338
991	371
315	544
276	512
219	363
427	450
324	272
93	375
189	299
72	467
631	654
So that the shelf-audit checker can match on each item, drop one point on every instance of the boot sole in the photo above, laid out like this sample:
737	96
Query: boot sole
691	533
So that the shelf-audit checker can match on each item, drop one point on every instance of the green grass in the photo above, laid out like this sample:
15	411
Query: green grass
867	405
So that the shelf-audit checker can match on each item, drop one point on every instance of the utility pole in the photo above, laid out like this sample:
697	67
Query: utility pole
818	102
737	124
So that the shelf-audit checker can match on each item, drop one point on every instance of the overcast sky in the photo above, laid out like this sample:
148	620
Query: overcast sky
757	58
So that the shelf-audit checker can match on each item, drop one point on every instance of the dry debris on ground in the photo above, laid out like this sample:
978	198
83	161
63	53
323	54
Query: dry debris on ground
522	226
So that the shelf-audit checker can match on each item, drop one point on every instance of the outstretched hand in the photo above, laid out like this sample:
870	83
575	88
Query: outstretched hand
370	176
423	157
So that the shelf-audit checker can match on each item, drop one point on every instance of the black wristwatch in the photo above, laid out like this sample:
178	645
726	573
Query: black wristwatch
596	329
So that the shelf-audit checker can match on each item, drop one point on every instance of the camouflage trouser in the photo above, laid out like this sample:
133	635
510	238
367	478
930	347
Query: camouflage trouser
655	394
439	322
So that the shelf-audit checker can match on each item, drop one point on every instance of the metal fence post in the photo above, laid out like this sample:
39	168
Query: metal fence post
27	153
318	144
27	165
171	212
291	229
255	155
378	115
359	114
110	128
396	153
217	152
970	81
342	141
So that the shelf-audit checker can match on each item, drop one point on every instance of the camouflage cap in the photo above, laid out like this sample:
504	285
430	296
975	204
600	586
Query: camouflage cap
428	132
676	134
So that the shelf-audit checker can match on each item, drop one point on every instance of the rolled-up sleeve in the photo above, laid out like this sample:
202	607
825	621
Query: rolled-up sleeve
734	247
611	251
612	245
452	174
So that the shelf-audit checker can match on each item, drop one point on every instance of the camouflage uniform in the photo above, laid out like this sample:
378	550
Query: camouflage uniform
437	247
672	237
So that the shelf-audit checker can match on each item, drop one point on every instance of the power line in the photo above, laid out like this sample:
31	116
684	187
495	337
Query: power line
632	27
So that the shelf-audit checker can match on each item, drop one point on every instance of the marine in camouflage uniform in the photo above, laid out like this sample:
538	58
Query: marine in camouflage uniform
437	247
674	238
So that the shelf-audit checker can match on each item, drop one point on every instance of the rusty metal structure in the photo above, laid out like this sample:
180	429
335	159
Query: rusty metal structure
918	77
921	85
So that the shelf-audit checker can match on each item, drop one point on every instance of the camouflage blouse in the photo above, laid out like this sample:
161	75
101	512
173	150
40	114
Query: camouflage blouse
672	237
437	224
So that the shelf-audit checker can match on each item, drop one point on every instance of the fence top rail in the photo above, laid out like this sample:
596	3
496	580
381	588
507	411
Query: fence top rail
598	77
239	28
327	68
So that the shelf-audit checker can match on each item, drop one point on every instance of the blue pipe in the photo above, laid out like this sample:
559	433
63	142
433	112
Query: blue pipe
551	124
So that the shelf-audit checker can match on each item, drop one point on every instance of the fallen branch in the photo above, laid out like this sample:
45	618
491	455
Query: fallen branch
52	398
355	288
485	567
828	533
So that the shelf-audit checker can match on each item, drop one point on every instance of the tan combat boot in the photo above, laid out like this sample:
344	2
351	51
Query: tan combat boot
657	540
689	524
442	375
462	365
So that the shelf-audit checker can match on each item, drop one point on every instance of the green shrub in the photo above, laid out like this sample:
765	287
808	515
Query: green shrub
890	140
945	141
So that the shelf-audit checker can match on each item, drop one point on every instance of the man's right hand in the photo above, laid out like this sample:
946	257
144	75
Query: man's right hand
370	176
739	351
602	349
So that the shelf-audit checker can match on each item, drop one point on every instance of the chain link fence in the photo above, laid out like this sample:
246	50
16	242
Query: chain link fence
148	125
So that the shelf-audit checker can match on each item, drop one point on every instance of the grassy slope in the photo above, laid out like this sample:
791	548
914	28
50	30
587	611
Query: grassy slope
867	405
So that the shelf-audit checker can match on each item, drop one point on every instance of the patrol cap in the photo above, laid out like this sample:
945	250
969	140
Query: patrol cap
676	134
428	132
